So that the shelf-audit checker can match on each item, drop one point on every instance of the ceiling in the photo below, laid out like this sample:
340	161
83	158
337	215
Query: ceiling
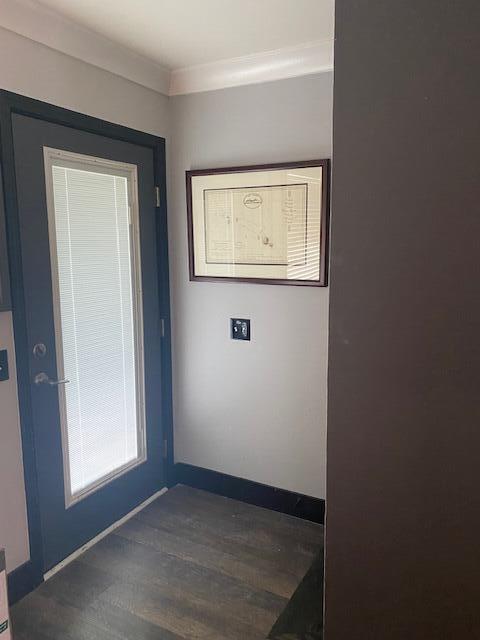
183	46
182	33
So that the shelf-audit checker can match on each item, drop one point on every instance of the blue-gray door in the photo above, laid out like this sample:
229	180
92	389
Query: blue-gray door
88	238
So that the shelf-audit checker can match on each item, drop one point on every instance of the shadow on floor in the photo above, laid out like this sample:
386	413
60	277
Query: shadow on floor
302	618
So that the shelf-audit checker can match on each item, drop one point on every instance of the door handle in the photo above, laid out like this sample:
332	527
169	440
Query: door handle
43	378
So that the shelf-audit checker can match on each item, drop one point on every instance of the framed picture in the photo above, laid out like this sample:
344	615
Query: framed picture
264	224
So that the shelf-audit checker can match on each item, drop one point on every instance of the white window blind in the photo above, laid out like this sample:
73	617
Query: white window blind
98	324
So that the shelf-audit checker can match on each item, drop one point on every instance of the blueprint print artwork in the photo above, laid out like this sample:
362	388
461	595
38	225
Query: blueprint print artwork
256	225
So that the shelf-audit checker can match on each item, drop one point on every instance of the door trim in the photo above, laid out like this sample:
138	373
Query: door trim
10	104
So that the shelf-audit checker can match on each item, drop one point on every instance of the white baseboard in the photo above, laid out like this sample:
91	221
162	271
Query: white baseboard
90	543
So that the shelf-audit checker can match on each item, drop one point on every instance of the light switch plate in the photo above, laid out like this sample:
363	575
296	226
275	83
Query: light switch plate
239	329
3	365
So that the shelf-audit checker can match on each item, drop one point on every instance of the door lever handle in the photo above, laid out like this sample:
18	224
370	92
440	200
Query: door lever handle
43	378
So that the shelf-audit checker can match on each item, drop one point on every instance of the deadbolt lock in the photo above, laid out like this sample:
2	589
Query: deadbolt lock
39	350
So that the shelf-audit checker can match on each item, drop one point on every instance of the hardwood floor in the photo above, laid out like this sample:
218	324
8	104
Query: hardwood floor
191	566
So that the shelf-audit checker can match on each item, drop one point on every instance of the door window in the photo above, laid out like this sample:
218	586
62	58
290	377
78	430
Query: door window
95	258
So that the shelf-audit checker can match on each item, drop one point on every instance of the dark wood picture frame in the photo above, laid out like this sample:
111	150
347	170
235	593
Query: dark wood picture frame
324	221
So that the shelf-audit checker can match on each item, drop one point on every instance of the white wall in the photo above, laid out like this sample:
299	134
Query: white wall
34	70
254	410
39	72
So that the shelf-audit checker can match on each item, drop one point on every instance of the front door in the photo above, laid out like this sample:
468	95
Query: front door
88	241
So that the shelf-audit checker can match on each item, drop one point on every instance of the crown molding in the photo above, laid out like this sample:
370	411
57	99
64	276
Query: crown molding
51	29
38	23
314	57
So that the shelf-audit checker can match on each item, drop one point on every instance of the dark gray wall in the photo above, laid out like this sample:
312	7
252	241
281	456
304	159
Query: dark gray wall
403	475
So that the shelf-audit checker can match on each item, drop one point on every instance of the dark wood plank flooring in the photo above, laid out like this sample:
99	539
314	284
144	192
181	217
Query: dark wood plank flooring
190	566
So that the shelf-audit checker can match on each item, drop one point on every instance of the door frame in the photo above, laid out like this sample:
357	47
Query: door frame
29	575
